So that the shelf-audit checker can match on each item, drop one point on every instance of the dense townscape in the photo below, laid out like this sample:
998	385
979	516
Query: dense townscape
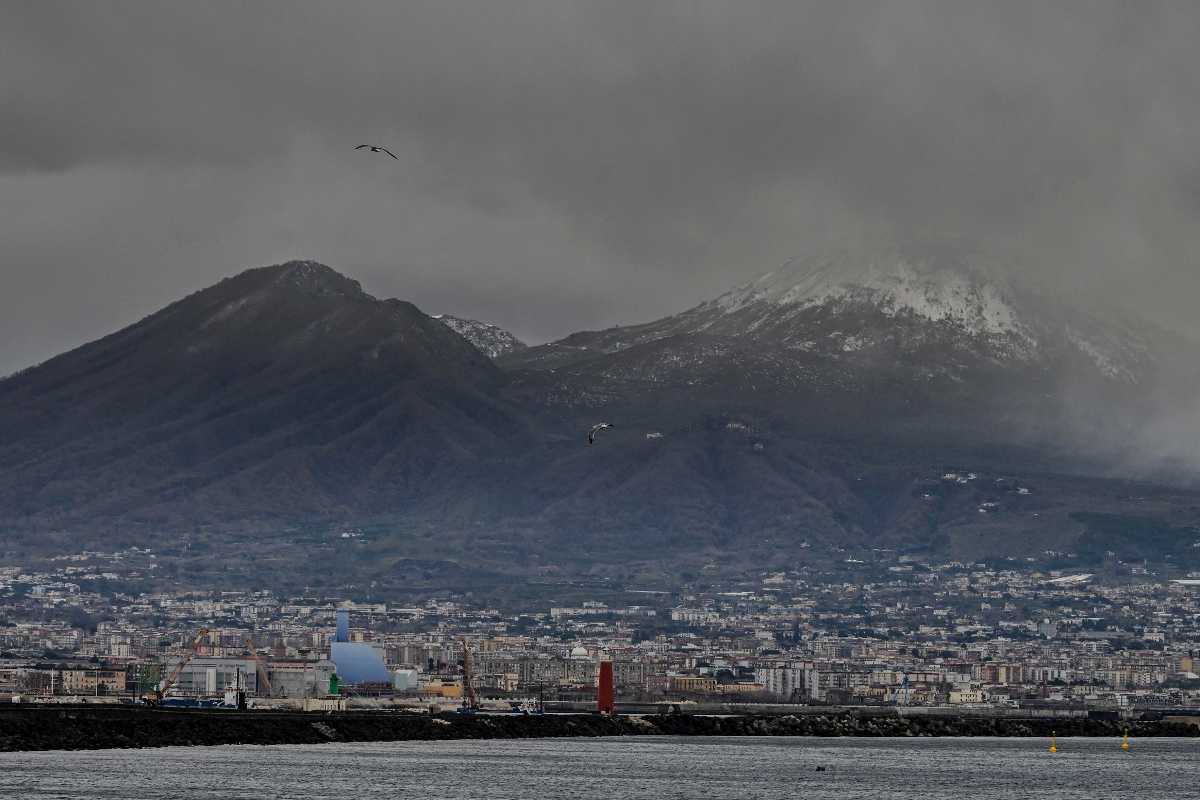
915	634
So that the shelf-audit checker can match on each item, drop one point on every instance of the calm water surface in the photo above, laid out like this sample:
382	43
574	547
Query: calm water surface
740	768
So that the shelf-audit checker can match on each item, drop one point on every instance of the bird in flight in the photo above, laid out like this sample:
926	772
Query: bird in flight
375	149
595	429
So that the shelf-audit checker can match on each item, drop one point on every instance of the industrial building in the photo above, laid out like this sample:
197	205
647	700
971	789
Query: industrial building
300	678
208	676
357	662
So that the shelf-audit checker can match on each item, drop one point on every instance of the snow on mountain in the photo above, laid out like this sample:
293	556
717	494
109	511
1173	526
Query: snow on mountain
960	292
933	309
491	340
896	285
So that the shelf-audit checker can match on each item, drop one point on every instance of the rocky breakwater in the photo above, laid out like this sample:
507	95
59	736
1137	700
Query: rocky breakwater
92	728
894	725
74	728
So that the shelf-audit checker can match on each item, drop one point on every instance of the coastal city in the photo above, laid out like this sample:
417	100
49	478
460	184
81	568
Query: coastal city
915	634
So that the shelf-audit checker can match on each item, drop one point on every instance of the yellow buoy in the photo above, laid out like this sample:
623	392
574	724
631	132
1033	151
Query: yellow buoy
1125	742
1053	743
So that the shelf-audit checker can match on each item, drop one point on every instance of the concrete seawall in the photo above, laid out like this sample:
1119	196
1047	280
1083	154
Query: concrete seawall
95	728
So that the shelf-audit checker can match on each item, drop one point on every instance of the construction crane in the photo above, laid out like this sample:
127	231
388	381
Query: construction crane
264	683
470	701
155	696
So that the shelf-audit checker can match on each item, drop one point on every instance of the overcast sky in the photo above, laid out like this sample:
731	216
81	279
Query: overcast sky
572	165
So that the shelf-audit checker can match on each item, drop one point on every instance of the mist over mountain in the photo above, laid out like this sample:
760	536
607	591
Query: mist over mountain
899	397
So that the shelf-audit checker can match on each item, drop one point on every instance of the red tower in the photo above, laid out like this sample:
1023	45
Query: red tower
604	692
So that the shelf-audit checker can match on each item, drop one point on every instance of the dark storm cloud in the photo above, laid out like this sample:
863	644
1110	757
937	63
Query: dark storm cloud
578	164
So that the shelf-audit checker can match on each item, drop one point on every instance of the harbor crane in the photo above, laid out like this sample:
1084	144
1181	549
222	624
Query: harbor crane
155	696
470	700
264	683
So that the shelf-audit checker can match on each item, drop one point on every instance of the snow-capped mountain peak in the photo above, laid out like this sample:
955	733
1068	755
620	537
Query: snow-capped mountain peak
893	282
919	308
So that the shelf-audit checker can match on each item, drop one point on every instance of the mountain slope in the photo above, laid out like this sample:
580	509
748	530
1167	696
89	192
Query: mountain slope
491	340
283	392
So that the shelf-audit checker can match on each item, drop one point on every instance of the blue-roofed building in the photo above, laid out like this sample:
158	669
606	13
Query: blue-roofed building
357	662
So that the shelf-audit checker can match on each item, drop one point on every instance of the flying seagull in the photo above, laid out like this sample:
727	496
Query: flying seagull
596	428
375	149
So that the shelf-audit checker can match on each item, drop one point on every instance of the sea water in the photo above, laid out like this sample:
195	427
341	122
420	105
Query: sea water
738	768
